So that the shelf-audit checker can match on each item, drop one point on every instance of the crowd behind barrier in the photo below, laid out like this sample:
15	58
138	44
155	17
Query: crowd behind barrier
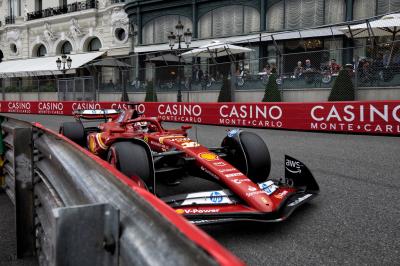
370	65
369	117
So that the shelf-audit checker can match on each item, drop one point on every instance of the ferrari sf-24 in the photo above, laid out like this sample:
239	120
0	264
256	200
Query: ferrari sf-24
206	185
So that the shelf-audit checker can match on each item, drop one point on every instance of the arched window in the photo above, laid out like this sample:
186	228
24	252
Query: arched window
388	6
66	48
157	30
41	51
229	20
94	45
297	14
364	9
275	17
304	13
335	11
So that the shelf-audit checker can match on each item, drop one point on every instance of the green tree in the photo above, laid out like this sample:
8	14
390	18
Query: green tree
272	93
343	88
225	92
151	95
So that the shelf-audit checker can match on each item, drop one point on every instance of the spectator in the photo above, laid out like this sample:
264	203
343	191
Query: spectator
298	70
334	67
200	75
267	69
308	67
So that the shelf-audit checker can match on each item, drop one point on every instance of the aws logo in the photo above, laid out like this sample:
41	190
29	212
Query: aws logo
293	166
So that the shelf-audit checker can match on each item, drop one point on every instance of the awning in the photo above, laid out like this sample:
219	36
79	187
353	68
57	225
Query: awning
43	66
251	38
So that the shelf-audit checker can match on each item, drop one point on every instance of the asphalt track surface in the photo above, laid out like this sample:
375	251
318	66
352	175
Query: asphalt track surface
354	221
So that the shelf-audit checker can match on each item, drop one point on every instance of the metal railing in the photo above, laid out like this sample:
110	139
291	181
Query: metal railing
69	8
52	188
9	20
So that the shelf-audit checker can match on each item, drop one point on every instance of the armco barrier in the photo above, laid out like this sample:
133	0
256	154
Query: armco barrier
369	117
73	208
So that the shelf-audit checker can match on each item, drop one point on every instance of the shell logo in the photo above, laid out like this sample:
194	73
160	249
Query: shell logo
208	156
180	211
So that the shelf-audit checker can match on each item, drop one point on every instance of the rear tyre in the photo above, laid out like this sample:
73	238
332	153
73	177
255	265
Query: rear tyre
74	131
249	153
132	160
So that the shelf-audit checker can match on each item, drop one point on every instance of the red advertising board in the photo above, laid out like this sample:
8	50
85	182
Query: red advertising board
369	117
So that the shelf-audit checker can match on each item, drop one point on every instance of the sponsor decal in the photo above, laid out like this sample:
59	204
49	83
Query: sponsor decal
298	200
251	194
146	138
219	164
200	211
180	112
227	170
85	106
281	195
251	188
208	156
19	107
264	200
351	117
161	139
240	181
54	108
209	172
216	197
234	174
191	144
180	211
293	166
269	187
251	115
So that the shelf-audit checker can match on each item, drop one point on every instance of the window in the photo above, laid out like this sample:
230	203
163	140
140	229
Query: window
120	34
229	20
364	9
38	5
297	14
1	56
94	45
157	30
12	7
388	6
13	48
41	51
66	48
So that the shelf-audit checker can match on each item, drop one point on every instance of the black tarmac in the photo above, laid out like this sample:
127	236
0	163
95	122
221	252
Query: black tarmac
354	221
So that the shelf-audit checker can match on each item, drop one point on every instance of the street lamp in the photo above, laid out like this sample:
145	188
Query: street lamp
64	60
187	38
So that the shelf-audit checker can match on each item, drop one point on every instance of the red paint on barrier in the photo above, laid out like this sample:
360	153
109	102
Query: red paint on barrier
368	117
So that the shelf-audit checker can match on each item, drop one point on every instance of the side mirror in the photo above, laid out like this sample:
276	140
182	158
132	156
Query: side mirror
186	127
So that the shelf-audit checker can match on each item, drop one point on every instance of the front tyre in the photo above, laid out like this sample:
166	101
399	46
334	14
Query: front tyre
74	131
132	160
248	153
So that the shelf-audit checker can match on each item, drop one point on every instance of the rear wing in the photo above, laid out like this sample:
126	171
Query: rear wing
97	114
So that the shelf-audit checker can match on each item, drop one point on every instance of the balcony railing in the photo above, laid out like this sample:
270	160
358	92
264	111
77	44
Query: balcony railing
10	20
117	1
54	11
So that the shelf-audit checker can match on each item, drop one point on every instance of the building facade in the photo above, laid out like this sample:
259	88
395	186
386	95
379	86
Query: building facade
39	28
228	19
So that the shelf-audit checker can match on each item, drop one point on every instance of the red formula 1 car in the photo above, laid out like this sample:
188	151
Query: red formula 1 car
206	185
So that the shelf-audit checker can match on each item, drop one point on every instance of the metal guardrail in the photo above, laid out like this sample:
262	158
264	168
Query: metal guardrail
70	210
